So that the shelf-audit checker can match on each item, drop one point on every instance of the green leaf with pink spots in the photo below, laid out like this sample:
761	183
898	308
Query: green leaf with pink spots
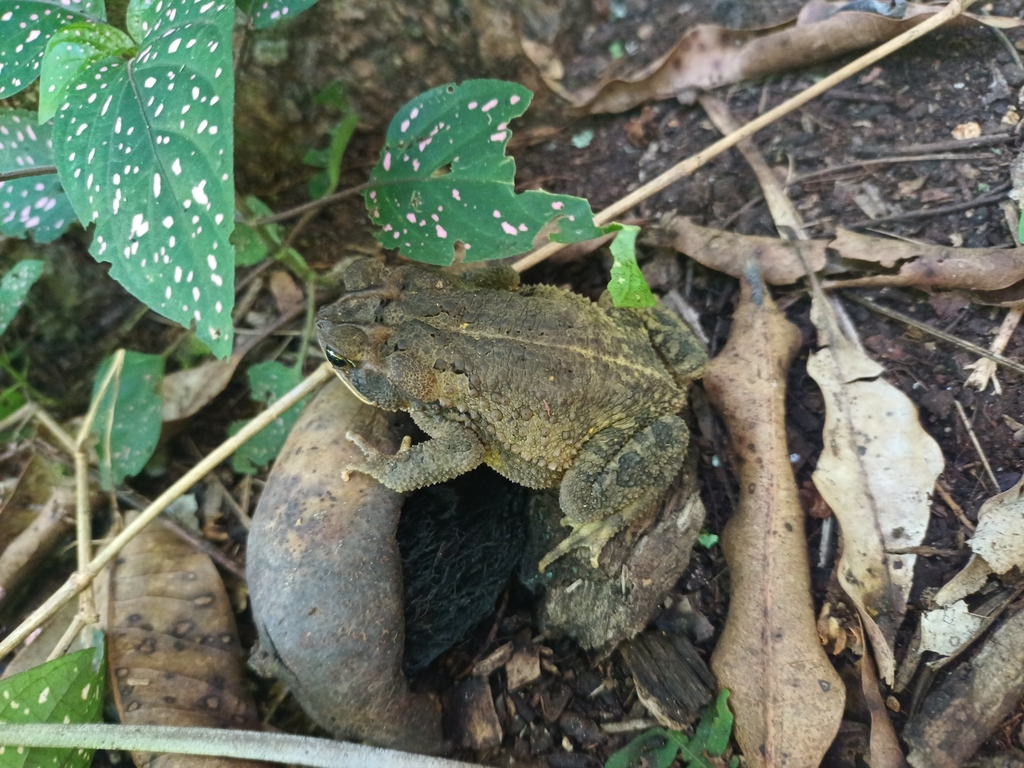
444	178
26	27
71	50
144	148
68	689
35	204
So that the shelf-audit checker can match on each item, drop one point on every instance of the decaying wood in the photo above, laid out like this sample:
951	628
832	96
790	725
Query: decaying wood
671	678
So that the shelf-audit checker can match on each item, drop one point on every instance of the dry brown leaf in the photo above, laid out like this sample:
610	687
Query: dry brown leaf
933	266
728	252
185	392
174	654
997	544
787	698
884	746
709	56
876	472
325	581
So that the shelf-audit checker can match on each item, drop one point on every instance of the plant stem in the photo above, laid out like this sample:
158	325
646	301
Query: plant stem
246	745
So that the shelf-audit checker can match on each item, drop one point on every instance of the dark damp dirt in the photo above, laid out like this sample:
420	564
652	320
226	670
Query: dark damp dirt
915	97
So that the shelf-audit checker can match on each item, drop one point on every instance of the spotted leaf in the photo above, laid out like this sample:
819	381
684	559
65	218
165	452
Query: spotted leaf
71	50
26	27
68	689
36	203
128	419
266	13
14	288
444	178
144	148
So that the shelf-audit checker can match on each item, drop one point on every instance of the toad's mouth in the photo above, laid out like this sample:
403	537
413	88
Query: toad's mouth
352	387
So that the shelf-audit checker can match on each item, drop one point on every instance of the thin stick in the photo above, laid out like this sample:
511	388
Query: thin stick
688	166
957	509
896	159
977	445
54	428
79	580
923	213
914	323
245	745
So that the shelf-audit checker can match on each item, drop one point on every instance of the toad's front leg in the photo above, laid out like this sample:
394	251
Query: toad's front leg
610	487
452	450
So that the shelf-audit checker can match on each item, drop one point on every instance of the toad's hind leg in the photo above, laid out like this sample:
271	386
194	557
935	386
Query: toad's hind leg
605	490
452	450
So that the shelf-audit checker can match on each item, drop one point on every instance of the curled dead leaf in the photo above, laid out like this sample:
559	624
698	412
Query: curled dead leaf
787	698
728	252
876	472
173	649
931	266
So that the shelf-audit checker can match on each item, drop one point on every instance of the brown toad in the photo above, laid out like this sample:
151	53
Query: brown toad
544	386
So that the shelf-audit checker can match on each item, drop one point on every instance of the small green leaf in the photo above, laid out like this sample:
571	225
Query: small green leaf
707	540
145	150
26	27
14	288
249	246
38	203
268	381
656	748
444	178
129	416
66	690
582	139
11	400
325	183
266	13
715	726
71	50
627	285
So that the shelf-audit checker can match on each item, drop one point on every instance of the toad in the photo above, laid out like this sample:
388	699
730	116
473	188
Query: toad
545	386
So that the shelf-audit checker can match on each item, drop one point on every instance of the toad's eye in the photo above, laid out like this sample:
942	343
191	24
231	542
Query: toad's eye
337	360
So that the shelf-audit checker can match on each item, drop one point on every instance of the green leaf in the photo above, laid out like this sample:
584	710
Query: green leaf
707	540
14	288
38	203
26	27
145	150
656	748
66	690
444	178
715	726
71	50
266	13
325	183
249	246
268	381
627	285
130	413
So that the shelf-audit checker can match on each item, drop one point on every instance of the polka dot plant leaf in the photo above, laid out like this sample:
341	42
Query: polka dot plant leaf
444	178
144	148
266	13
69	51
26	27
68	689
35	204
